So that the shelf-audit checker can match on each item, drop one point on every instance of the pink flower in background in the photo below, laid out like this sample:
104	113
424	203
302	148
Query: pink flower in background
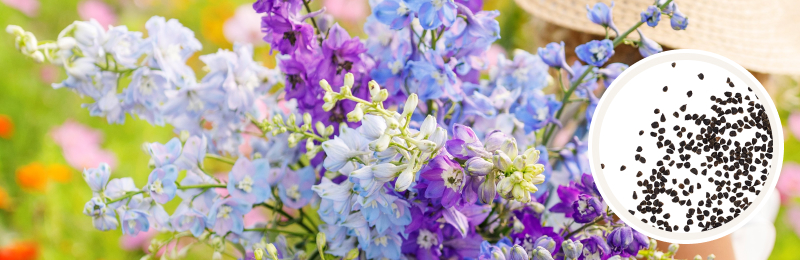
140	241
27	7
793	217
49	73
81	146
347	10
244	26
494	51
789	183
794	124
95	9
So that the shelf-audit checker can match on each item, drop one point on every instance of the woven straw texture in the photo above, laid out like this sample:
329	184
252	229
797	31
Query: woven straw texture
761	35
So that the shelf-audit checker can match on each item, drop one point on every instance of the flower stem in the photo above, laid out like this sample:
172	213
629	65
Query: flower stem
297	234
220	158
202	186
280	211
313	21
127	195
598	219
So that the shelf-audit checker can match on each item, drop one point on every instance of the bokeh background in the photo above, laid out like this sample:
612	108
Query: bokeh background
46	138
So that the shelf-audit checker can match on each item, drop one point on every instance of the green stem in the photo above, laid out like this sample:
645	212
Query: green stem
202	186
280	211
127	195
598	219
313	21
220	158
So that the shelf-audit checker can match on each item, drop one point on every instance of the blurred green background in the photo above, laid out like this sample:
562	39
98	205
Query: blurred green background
49	221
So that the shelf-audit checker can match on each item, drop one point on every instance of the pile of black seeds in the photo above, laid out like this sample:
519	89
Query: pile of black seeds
736	171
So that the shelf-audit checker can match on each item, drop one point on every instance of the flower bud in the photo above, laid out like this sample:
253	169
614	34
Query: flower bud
14	29
328	106
572	250
357	114
698	257
380	144
711	257
216	256
277	119
38	56
616	257
310	144
537	207
328	130
325	86
352	254
391	122
531	156
673	248
426	146
488	189
307	119
272	251
428	126
477	166
345	91
374	90
405	179
541	253
349	80
518	253
411	105
66	43
292	120
382	96
258	254
501	161
321	241
504	186
652	244
320	127
329	97
494	140
546	242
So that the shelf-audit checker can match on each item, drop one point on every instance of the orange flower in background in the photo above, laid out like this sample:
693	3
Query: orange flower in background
59	172
212	20
5	200
19	251
32	177
6	127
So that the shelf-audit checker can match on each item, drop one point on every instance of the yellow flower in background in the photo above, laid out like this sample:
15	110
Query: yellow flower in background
59	172
213	19
32	177
5	200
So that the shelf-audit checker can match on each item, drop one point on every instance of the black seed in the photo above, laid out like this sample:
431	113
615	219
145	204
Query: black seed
673	64
656	111
654	125
641	132
683	108
622	168
686	228
634	195
639	149
689	94
602	166
664	89
700	76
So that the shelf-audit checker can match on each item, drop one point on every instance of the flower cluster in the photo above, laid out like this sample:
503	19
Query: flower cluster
407	144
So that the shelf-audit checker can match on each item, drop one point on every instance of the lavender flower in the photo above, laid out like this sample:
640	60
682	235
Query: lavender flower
446	179
161	183
595	52
651	16
595	248
647	46
103	218
97	178
227	216
586	209
396	13
553	55
295	187
435	13
247	181
600	14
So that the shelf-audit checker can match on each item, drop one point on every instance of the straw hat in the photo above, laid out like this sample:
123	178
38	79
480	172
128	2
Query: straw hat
761	35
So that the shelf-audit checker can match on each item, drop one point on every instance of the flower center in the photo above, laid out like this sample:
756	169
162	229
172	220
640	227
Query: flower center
402	9
293	192
157	187
246	184
224	212
584	207
438	4
382	241
195	103
396	67
426	239
172	52
453	178
521	74
439	77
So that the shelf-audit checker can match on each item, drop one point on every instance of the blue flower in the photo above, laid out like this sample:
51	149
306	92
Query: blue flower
186	218
193	153
134	221
146	92
647	46
611	72
97	178
651	16
595	52
336	200
165	154
434	13
384	246
396	13
227	215
247	180
600	14
436	78
587	208
161	183
526	72
538	111
372	177
679	21
170	45
117	188
348	145
385	212
103	217
295	187
588	83
553	55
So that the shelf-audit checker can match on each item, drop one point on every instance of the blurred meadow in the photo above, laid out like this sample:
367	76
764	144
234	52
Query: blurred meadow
41	190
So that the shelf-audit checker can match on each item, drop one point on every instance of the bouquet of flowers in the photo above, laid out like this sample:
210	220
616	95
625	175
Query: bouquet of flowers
405	145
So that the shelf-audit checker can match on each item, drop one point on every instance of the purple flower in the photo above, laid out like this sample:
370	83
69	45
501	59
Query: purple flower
568	196
595	52
340	54
518	253
434	13
446	179
595	248
97	178
396	13
651	16
161	183
679	21
545	242
103	217
286	34
164	154
600	14
424	243
553	55
461	247
282	7
295	187
647	46
626	241
227	215
296	67
473	5
586	209
186	218
465	144
248	180
532	230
